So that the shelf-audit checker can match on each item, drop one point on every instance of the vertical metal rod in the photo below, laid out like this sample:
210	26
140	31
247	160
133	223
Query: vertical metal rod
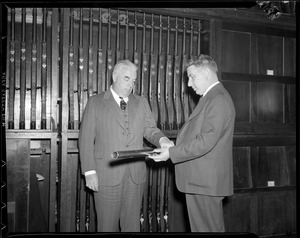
23	71
90	71
12	72
71	72
153	74
44	69
109	53
33	70
192	38
80	67
87	211
100	78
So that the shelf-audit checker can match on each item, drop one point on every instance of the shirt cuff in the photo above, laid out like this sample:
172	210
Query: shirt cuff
162	138
90	172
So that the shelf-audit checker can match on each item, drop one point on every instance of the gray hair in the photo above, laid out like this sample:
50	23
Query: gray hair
123	64
203	61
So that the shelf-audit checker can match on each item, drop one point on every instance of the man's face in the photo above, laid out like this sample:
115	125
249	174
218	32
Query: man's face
124	81
197	79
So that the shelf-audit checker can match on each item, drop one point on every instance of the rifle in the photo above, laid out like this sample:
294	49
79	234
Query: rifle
90	57
153	76
33	70
145	81
166	199
158	194
150	216
169	83
12	52
109	58
163	113
142	216
44	70
87	212
185	97
136	57
118	53
177	83
126	35
78	192
23	71
71	72
80	68
100	76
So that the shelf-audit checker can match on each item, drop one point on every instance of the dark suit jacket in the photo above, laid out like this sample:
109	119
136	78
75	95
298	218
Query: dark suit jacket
203	151
103	130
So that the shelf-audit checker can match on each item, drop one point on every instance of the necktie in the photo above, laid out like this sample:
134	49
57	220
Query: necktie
122	104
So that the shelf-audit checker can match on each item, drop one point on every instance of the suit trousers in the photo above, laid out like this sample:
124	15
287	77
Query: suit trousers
118	207
205	213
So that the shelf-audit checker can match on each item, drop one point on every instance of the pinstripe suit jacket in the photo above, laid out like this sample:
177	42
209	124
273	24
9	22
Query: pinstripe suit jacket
104	129
203	151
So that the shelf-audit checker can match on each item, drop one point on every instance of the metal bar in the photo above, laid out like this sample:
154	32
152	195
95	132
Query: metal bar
163	115
177	83
44	70
109	58
153	76
12	72
169	84
23	71
33	70
71	71
191	101
145	57
90	71
131	153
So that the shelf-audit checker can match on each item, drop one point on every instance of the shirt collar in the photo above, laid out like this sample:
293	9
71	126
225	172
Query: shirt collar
116	96
209	88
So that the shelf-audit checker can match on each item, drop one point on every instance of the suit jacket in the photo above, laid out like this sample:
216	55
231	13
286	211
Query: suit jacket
203	151
106	128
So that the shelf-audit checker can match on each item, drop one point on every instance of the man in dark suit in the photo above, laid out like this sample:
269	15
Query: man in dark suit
203	151
117	120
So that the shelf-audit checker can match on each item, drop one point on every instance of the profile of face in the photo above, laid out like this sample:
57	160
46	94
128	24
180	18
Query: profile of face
198	79
124	81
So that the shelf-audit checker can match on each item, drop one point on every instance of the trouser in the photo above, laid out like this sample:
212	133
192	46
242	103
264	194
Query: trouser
118	207
205	213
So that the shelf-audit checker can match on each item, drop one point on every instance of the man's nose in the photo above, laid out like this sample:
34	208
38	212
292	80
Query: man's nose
189	83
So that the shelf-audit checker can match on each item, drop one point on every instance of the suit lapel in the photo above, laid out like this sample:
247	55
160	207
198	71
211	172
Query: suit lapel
113	107
133	104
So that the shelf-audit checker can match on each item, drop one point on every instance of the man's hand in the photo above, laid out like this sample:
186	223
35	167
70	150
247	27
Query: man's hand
91	181
165	142
162	154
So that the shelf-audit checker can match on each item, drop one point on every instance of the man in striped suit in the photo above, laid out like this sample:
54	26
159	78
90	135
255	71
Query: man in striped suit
117	120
